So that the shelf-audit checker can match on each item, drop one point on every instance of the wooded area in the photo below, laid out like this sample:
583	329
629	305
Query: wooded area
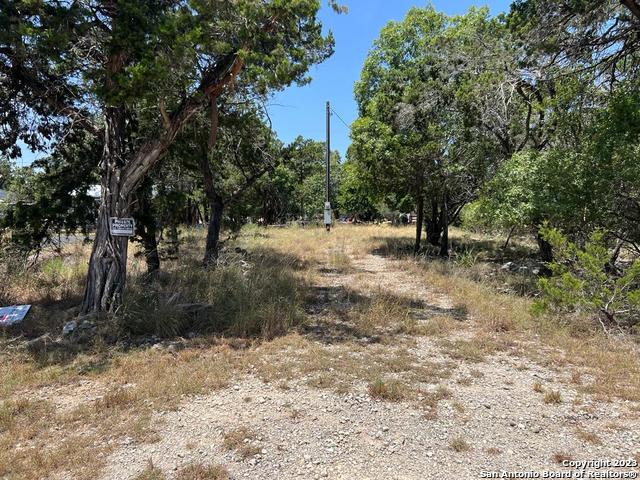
524	122
475	304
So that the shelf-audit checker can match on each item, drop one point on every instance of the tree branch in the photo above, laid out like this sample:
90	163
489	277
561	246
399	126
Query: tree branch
632	6
212	84
250	181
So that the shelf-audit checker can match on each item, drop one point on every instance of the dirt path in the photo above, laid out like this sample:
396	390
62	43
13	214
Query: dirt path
489	418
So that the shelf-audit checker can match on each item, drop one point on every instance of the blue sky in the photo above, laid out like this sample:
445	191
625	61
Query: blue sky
300	110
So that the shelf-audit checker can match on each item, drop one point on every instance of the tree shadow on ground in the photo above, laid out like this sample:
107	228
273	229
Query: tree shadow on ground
338	314
458	312
46	316
491	250
514	270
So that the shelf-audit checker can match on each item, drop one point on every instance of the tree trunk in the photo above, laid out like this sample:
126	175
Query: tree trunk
150	246
108	263
444	216
434	224
146	227
419	219
173	240
120	177
213	232
546	251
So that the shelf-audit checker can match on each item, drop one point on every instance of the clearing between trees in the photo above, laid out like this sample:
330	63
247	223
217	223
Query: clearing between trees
321	355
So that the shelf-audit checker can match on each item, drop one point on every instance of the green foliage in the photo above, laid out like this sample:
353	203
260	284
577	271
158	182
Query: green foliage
356	196
472	218
51	198
433	117
584	184
146	69
395	142
531	187
306	159
584	281
296	188
5	171
580	35
467	257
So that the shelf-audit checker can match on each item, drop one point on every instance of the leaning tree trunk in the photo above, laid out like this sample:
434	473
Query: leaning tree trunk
419	219
108	262
444	216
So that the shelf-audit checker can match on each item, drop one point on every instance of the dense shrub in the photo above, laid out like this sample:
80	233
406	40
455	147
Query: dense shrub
583	281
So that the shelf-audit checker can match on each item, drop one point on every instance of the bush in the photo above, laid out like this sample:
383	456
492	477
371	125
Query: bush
583	281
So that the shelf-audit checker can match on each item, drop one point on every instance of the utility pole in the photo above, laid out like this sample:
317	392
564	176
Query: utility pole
327	203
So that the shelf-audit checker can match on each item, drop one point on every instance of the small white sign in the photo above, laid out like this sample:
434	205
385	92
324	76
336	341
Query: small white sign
122	227
328	214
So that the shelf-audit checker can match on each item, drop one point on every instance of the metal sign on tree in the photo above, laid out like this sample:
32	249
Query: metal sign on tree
122	227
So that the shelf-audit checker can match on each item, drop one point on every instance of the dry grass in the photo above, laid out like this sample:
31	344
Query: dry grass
459	444
380	314
506	321
587	436
474	350
389	390
560	457
538	388
339	260
430	400
552	397
151	472
576	377
435	326
343	366
123	411
199	471
266	304
242	440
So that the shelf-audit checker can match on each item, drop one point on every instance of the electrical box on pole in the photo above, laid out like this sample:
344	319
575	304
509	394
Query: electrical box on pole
328	214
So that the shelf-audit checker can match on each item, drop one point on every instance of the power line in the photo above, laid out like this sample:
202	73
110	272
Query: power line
340	118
